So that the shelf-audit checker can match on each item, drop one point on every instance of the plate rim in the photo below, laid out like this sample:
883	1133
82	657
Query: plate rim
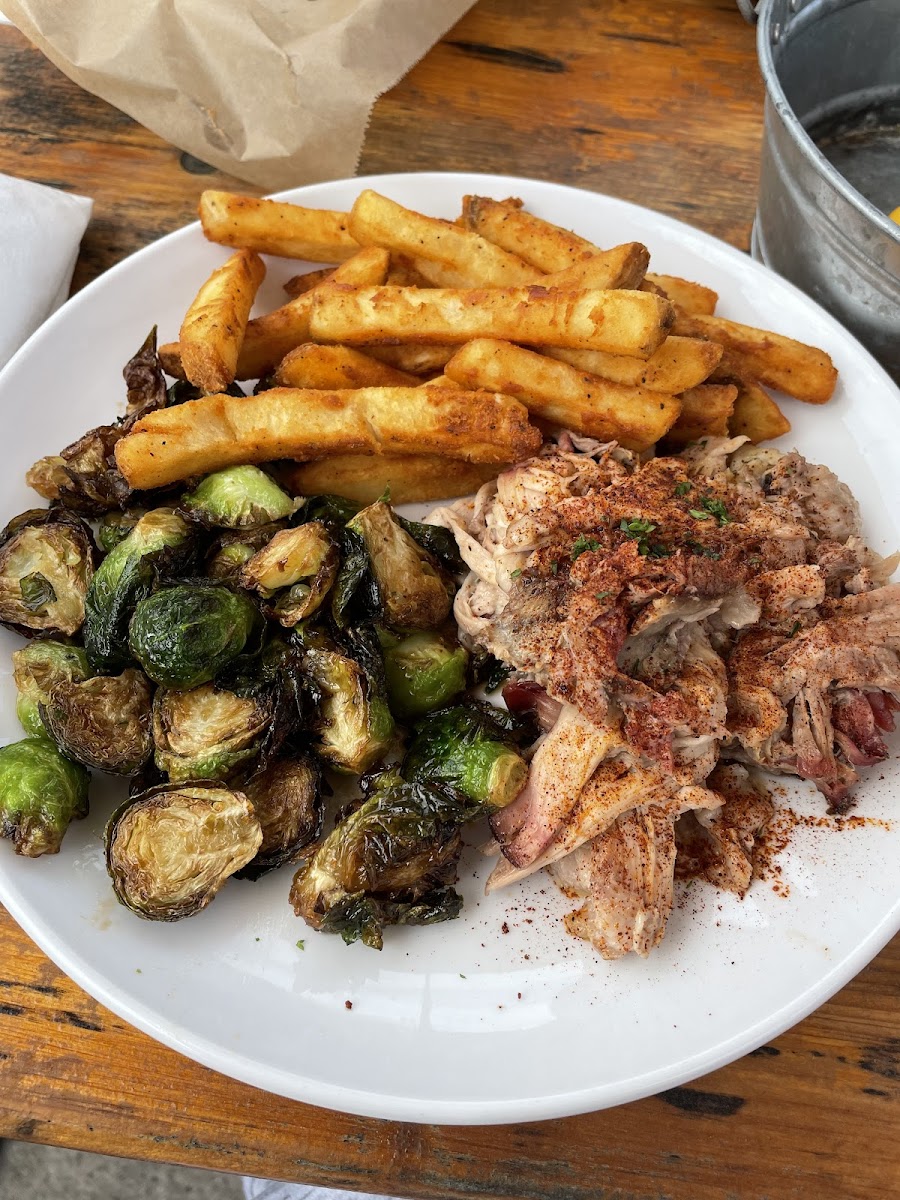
381	1105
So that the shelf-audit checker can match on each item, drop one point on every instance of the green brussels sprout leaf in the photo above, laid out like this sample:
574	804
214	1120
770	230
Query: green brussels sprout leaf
238	498
41	793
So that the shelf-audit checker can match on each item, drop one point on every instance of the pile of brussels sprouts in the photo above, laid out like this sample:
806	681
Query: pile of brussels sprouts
229	649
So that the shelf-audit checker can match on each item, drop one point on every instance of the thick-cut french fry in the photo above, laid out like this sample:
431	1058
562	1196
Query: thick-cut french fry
620	322
297	285
377	221
416	358
706	411
171	444
804	372
409	479
622	267
679	363
756	415
542	245
273	227
564	396
268	339
325	368
694	298
213	327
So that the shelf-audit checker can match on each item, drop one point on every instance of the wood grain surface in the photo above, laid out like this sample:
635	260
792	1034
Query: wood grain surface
658	103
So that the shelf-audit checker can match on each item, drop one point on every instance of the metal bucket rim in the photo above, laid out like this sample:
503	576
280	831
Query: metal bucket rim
804	141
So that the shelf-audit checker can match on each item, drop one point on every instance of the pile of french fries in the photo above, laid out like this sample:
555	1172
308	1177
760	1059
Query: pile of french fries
429	354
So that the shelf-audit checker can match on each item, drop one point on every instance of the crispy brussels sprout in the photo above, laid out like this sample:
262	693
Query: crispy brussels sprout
126	576
293	572
46	566
207	732
184	636
238	498
102	722
114	527
37	669
233	549
84	477
354	726
423	672
413	590
288	804
387	863
41	793
169	851
465	747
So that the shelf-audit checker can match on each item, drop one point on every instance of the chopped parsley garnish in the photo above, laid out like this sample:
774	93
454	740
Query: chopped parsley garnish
301	945
601	595
516	573
554	567
582	544
711	508
638	529
683	488
795	628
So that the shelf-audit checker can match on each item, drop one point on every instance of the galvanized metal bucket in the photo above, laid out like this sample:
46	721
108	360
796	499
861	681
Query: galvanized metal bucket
831	159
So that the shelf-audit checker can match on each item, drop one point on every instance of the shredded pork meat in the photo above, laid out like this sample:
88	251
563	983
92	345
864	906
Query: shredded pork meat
676	625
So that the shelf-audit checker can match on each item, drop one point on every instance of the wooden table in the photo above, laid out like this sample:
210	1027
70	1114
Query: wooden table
659	103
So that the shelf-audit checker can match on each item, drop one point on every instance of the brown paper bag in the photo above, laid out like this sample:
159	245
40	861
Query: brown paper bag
275	91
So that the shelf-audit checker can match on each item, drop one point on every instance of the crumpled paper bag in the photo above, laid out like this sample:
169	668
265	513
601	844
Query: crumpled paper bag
274	91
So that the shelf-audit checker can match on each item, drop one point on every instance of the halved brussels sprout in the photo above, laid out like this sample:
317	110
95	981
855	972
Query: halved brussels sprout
46	566
387	863
462	746
237	498
41	793
288	804
423	672
114	527
184	636
169	851
207	732
37	669
412	587
124	577
294	572
354	726
232	550
102	722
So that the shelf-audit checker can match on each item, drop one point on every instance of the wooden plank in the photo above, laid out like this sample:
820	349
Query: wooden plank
658	104
814	1113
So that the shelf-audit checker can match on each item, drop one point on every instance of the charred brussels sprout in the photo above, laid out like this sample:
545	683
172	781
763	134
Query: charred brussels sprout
288	805
412	588
84	477
102	722
423	672
207	732
114	527
354	726
37	669
232	550
169	851
238	498
124	577
388	863
293	572
183	636
46	566
41	793
464	747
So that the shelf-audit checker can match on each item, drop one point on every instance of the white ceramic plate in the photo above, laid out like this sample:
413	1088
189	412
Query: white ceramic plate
464	1022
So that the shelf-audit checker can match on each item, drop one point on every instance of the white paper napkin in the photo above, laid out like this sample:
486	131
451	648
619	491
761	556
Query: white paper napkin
40	231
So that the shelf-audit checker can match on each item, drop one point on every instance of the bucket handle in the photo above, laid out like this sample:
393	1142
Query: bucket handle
749	10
